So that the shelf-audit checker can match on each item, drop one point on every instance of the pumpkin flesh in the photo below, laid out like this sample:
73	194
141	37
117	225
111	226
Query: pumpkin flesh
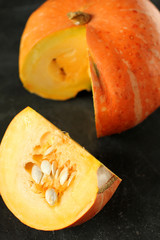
57	67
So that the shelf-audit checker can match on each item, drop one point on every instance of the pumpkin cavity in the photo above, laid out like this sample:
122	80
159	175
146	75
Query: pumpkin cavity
47	175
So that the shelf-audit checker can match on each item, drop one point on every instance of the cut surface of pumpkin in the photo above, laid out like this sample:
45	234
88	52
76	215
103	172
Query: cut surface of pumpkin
123	40
57	66
47	180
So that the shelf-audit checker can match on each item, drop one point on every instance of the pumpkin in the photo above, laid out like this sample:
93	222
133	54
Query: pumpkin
47	180
111	46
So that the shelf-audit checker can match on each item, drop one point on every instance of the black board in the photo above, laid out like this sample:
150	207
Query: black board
134	211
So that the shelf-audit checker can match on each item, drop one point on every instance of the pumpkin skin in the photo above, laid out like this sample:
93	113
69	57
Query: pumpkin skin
123	44
22	146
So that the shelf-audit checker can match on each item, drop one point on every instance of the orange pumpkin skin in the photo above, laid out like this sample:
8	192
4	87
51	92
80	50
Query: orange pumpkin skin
127	57
123	40
100	202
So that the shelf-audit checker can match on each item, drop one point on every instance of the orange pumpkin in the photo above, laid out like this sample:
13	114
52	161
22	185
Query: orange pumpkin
112	45
47	180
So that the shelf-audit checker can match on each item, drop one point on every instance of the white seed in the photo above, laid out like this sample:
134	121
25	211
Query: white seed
70	179
43	179
49	150
57	174
36	174
63	176
53	167
51	196
46	167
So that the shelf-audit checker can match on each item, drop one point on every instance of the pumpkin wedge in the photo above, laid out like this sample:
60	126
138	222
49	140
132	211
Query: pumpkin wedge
67	46
47	180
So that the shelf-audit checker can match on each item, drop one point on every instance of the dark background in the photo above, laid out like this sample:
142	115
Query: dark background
134	211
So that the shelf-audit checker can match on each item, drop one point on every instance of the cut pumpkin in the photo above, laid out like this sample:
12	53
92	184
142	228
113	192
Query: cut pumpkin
112	45
47	180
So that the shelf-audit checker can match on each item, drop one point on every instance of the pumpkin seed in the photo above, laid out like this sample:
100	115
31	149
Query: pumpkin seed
46	167
43	179
53	167
49	151
36	174
51	196
63	176
70	179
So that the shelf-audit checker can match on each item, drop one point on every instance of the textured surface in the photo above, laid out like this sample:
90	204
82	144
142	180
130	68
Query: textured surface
134	211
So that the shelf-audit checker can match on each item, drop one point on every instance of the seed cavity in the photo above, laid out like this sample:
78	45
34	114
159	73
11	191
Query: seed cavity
63	176
36	174
44	138
28	167
37	157
51	175
51	196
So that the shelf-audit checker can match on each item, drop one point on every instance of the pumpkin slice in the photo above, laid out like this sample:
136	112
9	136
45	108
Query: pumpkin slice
47	180
122	39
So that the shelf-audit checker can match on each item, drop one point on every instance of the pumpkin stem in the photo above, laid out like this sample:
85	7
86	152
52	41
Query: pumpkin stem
79	18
